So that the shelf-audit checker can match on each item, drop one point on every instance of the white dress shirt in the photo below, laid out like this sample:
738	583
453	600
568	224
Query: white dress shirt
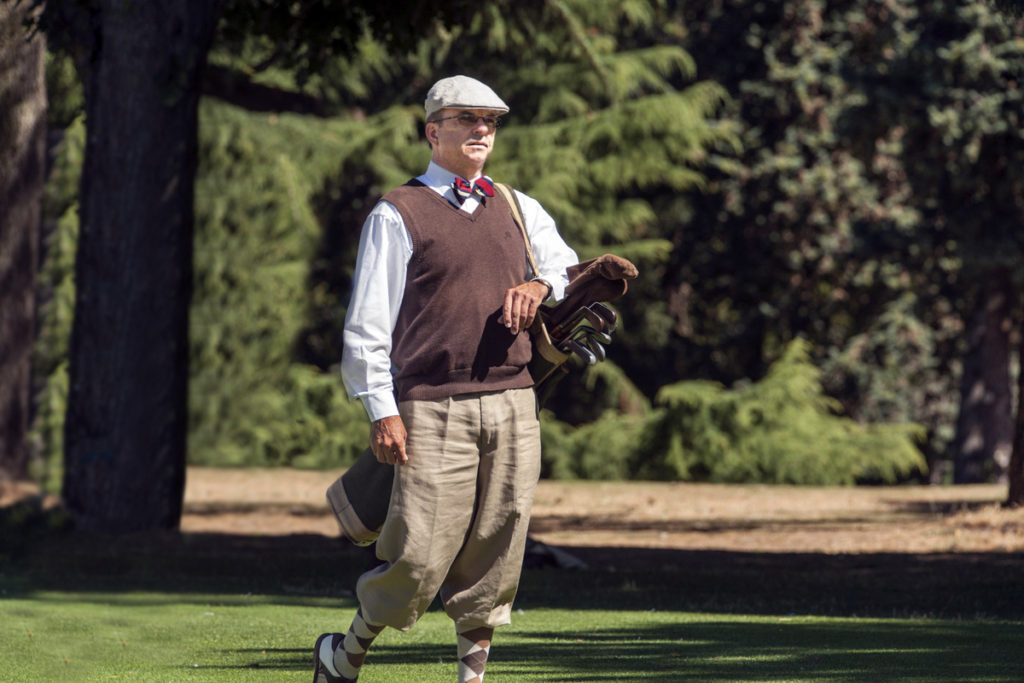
378	284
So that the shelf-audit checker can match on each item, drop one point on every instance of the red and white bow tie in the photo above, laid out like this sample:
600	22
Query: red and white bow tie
483	186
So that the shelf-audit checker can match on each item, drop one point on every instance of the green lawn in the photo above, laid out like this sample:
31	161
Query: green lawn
215	607
146	636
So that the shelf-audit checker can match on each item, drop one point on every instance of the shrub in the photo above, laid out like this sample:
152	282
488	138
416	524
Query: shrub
781	430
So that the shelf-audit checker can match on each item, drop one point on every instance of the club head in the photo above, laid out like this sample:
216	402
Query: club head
595	320
580	351
584	334
561	331
611	318
593	340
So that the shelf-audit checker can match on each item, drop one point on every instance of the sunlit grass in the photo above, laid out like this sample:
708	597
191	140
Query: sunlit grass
152	636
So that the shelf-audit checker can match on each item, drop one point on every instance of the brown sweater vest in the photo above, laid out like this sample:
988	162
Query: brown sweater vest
447	340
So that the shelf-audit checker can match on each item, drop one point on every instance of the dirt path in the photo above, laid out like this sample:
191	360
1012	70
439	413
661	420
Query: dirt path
765	519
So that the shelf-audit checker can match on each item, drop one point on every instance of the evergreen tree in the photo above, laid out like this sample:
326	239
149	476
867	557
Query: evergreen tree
811	235
598	133
56	290
964	142
612	133
875	181
608	130
252	401
22	146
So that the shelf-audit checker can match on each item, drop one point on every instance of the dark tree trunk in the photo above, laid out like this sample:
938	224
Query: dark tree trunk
1015	472
984	430
22	164
127	405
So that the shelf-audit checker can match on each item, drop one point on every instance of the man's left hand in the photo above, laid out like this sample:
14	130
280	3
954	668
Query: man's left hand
521	303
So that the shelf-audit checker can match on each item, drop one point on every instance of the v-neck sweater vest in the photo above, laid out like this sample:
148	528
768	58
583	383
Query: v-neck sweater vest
447	340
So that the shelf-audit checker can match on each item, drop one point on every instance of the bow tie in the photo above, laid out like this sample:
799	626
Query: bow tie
483	186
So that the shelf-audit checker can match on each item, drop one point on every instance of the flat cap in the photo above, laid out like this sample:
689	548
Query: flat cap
462	92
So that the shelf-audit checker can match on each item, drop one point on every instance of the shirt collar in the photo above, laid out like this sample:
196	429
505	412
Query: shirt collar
440	179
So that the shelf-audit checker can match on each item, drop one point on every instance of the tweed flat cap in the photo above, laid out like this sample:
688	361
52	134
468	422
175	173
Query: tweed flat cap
462	92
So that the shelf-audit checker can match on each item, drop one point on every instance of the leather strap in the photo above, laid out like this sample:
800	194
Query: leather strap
543	346
517	215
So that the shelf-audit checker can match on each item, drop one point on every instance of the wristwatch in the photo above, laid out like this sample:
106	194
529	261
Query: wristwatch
546	283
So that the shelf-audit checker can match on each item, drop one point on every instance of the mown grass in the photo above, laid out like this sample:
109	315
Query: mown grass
194	607
72	636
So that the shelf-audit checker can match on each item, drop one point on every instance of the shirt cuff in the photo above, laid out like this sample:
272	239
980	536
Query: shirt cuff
558	284
379	406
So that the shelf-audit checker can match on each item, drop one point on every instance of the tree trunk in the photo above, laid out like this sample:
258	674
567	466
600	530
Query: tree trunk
22	174
984	430
1015	472
126	422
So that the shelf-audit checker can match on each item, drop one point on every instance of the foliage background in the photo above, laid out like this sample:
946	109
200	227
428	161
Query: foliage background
782	174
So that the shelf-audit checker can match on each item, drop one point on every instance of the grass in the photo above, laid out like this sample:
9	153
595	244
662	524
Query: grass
213	607
144	636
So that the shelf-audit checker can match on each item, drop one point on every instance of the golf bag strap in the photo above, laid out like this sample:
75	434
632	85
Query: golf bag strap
517	214
547	358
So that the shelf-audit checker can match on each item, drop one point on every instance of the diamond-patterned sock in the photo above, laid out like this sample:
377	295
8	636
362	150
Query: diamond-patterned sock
348	658
474	645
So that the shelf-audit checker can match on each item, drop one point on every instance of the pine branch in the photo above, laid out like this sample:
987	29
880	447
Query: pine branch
578	35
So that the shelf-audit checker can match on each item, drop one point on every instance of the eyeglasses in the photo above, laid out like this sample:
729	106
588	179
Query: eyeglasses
468	120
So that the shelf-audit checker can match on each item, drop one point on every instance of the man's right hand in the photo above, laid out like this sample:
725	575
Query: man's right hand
387	439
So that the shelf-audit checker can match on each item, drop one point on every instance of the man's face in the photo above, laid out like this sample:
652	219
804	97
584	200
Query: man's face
460	145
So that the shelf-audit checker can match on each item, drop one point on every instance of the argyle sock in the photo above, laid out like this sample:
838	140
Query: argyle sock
474	645
349	657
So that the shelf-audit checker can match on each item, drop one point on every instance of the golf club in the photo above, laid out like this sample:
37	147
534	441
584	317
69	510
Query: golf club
595	320
561	331
593	340
580	351
611	317
596	348
590	333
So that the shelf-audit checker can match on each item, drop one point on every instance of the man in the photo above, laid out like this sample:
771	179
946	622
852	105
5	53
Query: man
437	350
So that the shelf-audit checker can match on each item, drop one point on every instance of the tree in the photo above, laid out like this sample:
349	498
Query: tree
589	89
141	65
810	231
948	86
984	432
22	170
876	183
608	129
964	141
1015	472
125	425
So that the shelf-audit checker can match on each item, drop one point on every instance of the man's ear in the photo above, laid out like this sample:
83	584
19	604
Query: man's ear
431	132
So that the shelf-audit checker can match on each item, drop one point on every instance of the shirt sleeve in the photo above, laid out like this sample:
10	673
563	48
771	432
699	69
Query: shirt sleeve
553	255
378	284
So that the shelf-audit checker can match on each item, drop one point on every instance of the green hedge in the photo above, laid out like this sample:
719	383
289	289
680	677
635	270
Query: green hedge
781	430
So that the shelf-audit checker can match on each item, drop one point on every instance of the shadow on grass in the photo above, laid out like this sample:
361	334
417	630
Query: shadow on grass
684	613
311	569
728	650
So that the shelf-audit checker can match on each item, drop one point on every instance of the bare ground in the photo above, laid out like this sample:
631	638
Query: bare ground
950	552
677	516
